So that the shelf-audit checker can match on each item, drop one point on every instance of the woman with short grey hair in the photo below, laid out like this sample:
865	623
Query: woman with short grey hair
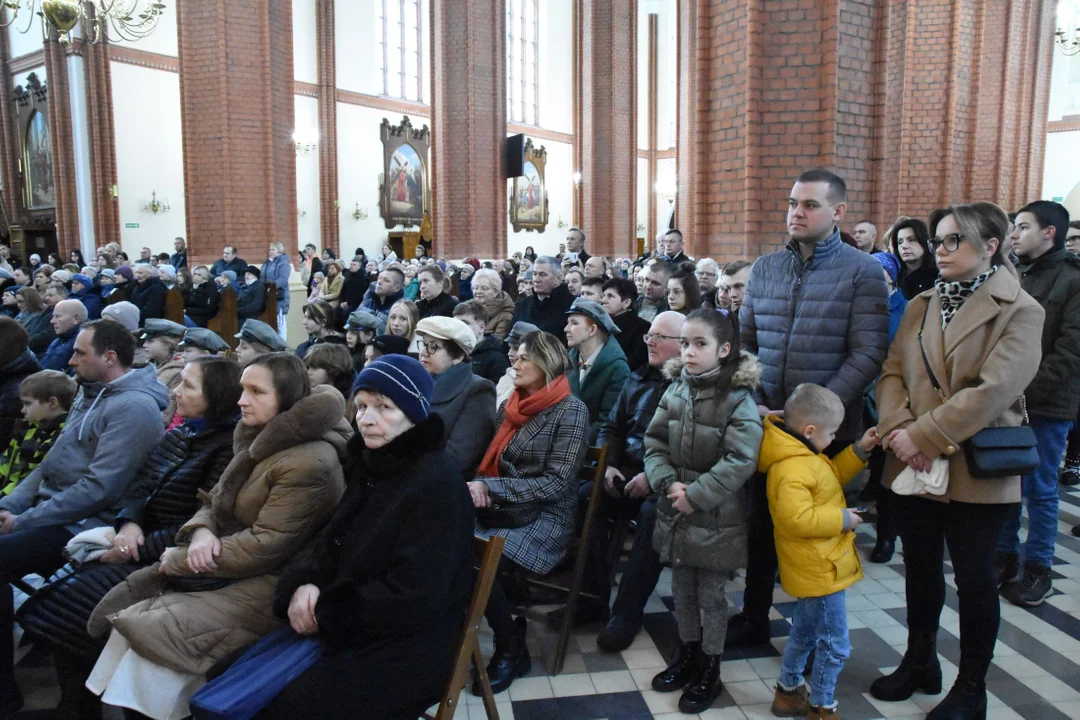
487	287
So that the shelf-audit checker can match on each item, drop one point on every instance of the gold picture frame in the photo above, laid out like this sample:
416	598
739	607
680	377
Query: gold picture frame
404	189
528	192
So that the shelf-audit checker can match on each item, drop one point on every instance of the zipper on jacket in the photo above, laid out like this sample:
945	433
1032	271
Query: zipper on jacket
800	267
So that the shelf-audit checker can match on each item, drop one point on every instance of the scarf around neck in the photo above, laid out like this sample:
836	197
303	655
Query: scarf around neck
954	294
518	411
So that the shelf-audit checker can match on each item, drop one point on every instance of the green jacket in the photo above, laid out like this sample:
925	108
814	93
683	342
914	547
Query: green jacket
1053	280
28	446
602	385
708	438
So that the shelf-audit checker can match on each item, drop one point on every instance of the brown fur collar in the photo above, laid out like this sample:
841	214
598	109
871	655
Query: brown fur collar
747	377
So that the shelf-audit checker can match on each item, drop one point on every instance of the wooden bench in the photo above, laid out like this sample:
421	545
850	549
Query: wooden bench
269	313
224	323
174	306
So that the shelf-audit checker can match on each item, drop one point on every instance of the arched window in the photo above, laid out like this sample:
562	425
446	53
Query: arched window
522	60
399	48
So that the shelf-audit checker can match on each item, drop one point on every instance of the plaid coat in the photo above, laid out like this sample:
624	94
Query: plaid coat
541	465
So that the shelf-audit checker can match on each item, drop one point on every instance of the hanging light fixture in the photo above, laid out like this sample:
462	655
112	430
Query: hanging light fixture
129	20
1067	34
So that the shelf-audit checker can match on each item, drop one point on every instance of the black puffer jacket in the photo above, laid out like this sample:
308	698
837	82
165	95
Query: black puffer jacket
202	304
149	297
1053	280
490	359
443	305
163	496
252	301
624	428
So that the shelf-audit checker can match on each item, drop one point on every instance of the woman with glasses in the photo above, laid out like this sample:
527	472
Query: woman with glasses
464	401
683	292
978	336
910	241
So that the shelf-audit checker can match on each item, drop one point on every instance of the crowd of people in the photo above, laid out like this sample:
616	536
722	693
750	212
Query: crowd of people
187	503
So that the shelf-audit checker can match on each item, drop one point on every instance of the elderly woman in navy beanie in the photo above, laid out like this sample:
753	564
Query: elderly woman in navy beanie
387	584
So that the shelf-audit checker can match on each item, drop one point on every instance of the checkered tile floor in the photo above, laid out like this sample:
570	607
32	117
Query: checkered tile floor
1036	671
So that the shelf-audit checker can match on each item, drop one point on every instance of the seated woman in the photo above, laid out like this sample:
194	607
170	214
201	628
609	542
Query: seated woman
188	460
402	320
319	325
252	300
332	365
683	292
210	595
387	584
202	302
526	487
464	401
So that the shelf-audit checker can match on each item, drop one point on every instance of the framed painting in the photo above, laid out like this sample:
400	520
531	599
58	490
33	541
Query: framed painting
528	198
404	190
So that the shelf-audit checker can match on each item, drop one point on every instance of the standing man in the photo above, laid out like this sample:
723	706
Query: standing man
382	296
312	264
68	317
732	288
433	301
546	307
179	258
1051	275
113	425
866	235
277	269
228	261
815	312
673	241
145	256
575	246
653	299
707	274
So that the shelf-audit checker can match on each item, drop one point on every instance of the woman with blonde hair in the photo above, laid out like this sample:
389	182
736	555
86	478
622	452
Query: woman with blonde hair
330	287
402	320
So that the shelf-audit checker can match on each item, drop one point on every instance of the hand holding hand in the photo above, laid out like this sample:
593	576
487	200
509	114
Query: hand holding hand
205	546
128	541
638	487
870	440
163	561
479	492
302	609
901	445
610	476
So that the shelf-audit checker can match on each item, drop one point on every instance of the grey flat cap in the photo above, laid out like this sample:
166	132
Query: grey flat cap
596	312
205	339
260	332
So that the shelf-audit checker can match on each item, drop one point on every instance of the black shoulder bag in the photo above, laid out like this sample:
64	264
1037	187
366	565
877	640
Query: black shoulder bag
993	452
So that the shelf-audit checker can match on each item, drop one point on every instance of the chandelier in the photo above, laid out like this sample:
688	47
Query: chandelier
1067	35
129	20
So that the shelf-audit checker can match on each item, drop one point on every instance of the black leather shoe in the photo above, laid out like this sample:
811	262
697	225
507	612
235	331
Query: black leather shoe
883	550
509	661
617	634
919	670
682	671
704	688
744	632
1070	474
1076	530
965	701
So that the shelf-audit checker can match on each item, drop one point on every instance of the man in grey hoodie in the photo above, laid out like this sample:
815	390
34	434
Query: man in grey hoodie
113	425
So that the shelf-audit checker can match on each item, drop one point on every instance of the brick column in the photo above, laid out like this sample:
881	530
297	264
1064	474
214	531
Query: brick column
9	138
609	126
468	117
102	136
236	93
329	213
61	132
916	104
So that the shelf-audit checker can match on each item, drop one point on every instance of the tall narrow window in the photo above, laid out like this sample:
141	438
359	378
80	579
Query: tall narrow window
399	48
522	59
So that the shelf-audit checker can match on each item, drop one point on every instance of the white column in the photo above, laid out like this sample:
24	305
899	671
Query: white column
80	135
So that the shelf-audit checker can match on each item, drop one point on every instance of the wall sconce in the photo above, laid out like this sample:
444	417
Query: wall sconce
577	178
561	223
114	192
666	191
304	143
359	213
301	212
155	206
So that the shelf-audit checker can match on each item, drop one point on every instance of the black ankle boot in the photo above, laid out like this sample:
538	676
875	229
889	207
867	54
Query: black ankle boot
883	550
704	688
965	701
682	671
509	661
919	670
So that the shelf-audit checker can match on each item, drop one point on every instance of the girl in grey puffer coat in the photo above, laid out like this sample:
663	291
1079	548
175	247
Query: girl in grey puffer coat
700	449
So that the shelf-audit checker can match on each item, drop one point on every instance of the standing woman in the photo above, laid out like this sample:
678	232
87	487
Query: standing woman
909	240
526	488
982	338
683	291
319	325
211	594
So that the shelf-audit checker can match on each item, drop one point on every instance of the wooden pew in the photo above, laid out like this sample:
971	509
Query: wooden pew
224	323
269	313
174	306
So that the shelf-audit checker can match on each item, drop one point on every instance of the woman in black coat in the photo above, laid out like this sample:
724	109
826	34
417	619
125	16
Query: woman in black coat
388	582
148	294
188	461
202	302
909	240
252	300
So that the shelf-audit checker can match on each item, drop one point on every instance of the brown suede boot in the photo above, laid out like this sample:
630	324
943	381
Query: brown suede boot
820	713
791	703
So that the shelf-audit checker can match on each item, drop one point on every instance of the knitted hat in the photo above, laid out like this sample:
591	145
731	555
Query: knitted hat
231	275
401	379
61	276
125	271
167	271
108	272
84	280
890	262
252	270
124	313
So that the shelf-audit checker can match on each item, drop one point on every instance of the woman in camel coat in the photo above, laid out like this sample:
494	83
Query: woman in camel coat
981	334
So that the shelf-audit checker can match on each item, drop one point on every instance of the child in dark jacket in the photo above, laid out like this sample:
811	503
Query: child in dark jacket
46	398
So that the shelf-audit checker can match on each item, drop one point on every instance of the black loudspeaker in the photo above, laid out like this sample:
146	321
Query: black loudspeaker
515	155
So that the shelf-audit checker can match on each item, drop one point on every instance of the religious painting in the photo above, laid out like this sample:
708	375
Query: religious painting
37	159
405	191
528	198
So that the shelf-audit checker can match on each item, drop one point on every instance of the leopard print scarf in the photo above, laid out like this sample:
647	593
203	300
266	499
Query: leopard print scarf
953	294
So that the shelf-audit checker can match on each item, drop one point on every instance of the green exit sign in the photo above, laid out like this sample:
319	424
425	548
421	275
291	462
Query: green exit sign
1059	198
131	225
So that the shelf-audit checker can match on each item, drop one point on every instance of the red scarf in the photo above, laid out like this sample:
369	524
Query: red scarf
517	411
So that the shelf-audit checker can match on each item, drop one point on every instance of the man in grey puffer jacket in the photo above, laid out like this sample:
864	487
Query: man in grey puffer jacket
815	312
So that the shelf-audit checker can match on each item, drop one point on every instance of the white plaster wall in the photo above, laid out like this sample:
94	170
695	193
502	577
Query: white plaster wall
666	75
644	7
665	178
149	155
163	40
305	55
558	179
360	158
555	38
307	174
1064	86
356	46
642	198
24	43
1061	175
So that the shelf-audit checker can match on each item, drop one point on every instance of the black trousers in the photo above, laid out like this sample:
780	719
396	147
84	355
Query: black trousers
886	523
970	532
37	550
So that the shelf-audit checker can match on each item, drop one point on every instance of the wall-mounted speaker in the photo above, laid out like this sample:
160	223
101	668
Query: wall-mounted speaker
515	155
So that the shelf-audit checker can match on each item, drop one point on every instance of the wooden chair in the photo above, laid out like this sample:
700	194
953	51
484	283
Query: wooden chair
174	306
224	323
592	470
468	652
269	313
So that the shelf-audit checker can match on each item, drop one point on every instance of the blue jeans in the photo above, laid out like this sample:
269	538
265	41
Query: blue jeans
819	622
1041	497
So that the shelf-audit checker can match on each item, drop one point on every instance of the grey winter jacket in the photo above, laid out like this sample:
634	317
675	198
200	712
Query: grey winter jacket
824	320
277	270
108	434
706	437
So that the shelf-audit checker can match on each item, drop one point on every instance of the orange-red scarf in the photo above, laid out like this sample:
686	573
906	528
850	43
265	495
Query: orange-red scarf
518	410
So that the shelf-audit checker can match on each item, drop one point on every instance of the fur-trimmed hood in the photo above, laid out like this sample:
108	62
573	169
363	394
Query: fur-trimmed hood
746	377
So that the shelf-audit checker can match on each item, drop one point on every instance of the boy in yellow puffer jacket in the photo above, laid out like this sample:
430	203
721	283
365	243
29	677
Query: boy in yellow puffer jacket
815	542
